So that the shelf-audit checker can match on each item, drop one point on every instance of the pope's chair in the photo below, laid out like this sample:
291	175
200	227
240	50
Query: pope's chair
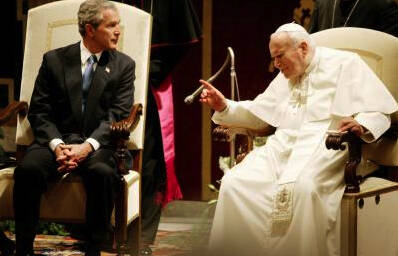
368	220
54	25
368	209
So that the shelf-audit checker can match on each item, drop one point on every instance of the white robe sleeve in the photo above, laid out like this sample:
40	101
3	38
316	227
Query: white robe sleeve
238	116
377	123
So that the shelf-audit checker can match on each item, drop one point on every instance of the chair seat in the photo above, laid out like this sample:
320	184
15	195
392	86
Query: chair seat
373	186
61	195
368	219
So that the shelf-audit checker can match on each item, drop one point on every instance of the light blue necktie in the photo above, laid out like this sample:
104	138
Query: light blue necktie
87	78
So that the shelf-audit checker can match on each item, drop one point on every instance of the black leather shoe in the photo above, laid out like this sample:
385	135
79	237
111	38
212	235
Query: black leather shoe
92	250
7	247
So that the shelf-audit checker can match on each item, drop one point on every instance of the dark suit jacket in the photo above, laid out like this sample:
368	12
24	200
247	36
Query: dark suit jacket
56	106
379	15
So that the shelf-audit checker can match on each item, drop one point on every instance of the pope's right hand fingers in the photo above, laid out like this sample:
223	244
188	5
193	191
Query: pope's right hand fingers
204	93
206	85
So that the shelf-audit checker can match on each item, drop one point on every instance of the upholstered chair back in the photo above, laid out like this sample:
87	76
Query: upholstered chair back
380	51
55	25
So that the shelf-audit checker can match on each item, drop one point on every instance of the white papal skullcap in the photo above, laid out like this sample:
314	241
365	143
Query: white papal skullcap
291	27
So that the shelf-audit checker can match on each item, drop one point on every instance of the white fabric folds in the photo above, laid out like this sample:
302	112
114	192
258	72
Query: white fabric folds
341	84
284	198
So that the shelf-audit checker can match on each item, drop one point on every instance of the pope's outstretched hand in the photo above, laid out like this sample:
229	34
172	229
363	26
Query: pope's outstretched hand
212	97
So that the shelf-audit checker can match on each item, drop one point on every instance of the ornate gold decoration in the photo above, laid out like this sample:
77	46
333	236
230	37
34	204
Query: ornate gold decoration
283	210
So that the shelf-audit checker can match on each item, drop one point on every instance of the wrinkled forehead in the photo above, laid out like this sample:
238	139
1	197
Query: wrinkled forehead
279	41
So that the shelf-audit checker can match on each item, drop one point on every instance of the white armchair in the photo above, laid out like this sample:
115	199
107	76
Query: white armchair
368	209
368	219
54	25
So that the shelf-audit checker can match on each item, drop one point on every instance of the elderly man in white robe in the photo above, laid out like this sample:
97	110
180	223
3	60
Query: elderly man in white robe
284	198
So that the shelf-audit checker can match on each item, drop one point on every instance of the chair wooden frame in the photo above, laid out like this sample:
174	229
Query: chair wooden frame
120	132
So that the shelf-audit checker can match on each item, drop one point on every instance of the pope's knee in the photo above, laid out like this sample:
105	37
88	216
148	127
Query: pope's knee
306	187
229	183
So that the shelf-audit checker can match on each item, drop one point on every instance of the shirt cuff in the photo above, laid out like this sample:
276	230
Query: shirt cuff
376	123
94	143
220	114
54	143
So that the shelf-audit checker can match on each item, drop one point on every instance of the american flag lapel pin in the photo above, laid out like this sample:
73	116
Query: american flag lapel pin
107	70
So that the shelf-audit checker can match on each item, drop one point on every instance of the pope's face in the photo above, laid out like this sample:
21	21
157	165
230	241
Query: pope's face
288	58
107	33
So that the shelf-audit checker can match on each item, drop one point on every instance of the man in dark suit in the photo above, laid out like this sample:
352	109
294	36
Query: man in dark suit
79	91
379	15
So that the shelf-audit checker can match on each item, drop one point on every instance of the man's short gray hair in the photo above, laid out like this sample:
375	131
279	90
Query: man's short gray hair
296	33
90	12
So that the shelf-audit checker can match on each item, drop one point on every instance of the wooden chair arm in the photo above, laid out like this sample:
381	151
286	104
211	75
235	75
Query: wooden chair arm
227	134
12	109
354	143
120	133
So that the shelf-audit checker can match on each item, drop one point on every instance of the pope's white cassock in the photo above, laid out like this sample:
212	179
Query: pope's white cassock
284	198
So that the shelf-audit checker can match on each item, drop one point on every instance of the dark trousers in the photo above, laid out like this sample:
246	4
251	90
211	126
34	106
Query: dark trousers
153	173
99	176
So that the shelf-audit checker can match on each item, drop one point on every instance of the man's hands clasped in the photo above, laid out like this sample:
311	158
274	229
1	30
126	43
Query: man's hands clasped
69	156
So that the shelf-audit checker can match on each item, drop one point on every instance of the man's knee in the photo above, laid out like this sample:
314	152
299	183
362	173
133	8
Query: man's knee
101	170
35	167
29	172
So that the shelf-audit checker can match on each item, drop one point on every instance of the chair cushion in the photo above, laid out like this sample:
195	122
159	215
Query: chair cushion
65	200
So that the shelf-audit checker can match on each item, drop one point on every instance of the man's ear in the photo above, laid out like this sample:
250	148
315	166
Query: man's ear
89	30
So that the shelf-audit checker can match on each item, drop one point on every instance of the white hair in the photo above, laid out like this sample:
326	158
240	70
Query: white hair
296	33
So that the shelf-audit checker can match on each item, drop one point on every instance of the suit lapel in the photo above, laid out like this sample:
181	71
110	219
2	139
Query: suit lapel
98	84
73	79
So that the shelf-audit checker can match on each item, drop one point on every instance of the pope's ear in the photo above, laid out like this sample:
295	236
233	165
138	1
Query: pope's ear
303	46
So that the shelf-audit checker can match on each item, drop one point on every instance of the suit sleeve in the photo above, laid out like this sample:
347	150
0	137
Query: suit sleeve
40	113
121	104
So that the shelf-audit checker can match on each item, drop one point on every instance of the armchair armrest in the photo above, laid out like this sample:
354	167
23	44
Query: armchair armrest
354	143
12	109
227	134
120	132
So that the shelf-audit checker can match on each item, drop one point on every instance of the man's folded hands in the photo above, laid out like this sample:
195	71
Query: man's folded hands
69	156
